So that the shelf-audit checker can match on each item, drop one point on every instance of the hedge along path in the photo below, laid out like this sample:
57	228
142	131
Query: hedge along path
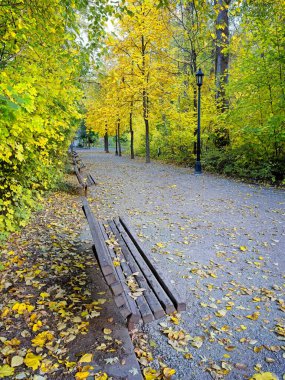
46	305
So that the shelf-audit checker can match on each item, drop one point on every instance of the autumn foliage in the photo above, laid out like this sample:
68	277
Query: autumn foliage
39	64
147	81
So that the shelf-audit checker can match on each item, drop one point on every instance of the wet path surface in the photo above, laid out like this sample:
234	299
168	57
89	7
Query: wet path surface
222	245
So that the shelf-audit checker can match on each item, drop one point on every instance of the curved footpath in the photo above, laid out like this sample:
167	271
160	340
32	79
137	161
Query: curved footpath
222	244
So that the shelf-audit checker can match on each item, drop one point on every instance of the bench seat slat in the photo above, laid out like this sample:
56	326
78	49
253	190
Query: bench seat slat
90	180
157	297
101	249
143	306
111	279
128	304
151	279
79	176
150	296
171	292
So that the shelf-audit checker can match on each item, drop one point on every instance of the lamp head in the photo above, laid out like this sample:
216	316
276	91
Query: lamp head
199	77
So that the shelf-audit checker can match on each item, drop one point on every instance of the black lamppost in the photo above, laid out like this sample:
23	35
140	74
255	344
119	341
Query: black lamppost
199	81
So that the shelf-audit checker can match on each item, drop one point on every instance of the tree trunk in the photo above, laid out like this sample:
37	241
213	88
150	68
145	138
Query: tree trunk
106	142
132	131
119	139
116	153
222	56
145	106
145	117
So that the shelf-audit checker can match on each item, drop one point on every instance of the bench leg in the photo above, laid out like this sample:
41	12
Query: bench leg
130	324
132	321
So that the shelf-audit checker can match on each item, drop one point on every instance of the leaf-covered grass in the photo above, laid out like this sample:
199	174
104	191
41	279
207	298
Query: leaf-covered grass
46	303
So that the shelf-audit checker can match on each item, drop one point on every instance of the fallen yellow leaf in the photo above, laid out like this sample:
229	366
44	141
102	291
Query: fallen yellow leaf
87	358
20	308
81	375
264	376
230	348
13	342
70	364
150	373
6	371
32	361
101	376
253	316
175	319
168	372
44	295
41	339
5	312
37	326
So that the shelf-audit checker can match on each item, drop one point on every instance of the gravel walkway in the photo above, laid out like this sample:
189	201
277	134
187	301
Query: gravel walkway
222	243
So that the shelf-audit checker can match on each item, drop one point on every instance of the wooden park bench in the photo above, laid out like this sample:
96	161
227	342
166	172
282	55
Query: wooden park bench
85	183
140	289
77	161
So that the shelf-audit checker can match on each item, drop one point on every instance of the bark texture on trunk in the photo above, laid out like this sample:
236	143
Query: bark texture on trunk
145	103
119	139
106	142
221	54
132	132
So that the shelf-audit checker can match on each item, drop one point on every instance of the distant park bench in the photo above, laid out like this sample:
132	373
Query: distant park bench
77	160
85	183
140	290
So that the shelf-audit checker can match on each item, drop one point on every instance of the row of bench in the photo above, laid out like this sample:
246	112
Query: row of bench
141	291
85	183
124	263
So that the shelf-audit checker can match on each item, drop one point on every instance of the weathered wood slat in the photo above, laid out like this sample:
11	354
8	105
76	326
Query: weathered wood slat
139	306
129	304
149	295
171	292
143	306
152	281
90	180
101	249
126	313
120	300
79	176
111	279
158	295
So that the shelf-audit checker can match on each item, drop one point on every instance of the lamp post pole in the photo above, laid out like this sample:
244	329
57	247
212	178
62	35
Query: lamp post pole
198	167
